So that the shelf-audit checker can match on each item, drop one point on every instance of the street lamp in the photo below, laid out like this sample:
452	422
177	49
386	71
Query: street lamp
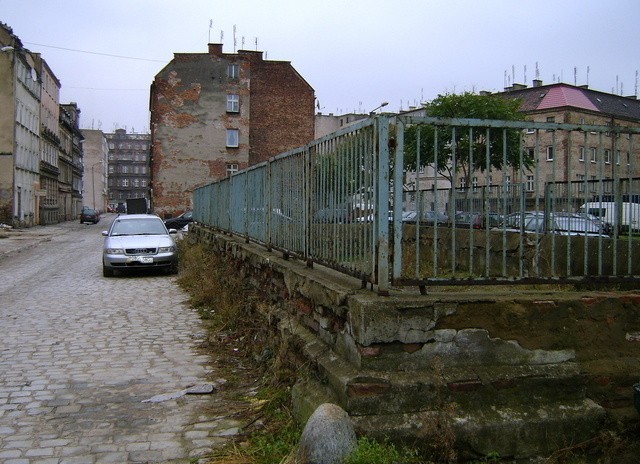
382	105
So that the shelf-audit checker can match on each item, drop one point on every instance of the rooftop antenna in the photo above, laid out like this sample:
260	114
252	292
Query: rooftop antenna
210	26
587	76
525	74
221	36
575	75
242	47
235	43
505	78
537	72
617	83
636	92
256	41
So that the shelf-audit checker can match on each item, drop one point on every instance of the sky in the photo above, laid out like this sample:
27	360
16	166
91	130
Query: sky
356	54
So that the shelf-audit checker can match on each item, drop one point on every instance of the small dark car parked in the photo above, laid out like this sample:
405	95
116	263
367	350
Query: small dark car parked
89	215
179	222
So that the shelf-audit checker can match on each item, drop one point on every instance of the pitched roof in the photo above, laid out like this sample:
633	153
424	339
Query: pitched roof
565	95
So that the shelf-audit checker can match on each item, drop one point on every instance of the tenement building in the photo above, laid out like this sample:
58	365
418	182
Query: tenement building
215	113
128	166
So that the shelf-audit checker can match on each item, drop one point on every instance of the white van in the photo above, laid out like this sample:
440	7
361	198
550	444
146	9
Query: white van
607	212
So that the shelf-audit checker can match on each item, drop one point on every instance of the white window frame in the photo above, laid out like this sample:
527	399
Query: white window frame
232	168
233	138
233	103
581	154
530	185
594	155
550	153
233	71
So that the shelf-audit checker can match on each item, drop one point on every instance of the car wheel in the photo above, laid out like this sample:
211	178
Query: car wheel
107	272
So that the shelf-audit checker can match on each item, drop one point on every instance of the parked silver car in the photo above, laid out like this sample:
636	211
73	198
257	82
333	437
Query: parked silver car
138	241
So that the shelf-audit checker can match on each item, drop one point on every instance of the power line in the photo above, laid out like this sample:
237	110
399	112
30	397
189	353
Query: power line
96	53
94	88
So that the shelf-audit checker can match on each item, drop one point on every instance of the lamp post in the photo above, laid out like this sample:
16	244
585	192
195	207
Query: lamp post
382	105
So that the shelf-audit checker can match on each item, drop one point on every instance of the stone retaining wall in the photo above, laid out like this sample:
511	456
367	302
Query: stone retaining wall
509	367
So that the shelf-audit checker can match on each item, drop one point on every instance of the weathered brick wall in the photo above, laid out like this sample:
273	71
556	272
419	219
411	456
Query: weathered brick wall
282	110
189	122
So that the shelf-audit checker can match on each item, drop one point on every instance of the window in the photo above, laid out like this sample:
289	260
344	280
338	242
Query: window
463	183
550	119
607	156
125	182
593	155
143	182
618	157
232	169
232	138
581	155
550	153
474	183
507	182
233	71
233	103
529	185
580	178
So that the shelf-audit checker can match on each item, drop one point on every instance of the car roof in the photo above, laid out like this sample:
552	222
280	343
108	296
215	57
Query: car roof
127	217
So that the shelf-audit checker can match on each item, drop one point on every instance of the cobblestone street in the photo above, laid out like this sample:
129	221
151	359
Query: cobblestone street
80	354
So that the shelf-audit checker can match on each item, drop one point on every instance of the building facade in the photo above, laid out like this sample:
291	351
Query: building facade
70	163
215	113
41	154
94	183
47	196
19	132
574	156
328	123
128	169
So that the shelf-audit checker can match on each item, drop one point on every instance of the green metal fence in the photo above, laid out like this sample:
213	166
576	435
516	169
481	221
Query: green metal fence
489	202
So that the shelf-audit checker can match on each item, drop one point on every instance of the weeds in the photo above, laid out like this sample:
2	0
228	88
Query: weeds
370	451
228	307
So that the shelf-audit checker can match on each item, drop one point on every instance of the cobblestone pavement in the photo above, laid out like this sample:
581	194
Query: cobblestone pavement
80	354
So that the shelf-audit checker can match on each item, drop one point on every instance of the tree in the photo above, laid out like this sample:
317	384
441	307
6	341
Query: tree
473	106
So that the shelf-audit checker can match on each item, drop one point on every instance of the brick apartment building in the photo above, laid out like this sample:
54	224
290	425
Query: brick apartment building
215	113
578	159
558	158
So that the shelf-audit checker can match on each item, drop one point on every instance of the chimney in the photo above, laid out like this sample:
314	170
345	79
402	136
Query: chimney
537	83
215	49
251	55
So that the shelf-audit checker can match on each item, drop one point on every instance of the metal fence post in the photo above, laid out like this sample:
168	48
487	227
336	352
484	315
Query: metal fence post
382	229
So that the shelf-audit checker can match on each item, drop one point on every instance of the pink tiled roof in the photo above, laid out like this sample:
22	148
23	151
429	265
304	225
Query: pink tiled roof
565	96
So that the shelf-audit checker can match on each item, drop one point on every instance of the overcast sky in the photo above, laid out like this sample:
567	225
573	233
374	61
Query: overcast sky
354	53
